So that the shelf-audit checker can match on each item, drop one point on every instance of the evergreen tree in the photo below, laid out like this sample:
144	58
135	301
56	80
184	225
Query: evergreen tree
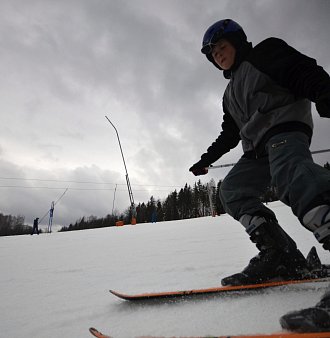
171	207
151	209
160	211
184	202
13	225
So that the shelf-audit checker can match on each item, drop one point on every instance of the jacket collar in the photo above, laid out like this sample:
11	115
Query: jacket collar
241	55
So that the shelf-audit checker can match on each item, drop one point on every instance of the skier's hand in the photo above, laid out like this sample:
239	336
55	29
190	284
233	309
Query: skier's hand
199	168
323	105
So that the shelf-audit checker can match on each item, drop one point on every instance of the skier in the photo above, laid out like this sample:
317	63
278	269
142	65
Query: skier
267	106
35	226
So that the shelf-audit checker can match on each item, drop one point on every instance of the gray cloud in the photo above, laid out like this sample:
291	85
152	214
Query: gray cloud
66	64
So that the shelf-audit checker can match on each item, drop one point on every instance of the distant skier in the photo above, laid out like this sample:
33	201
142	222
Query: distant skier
267	106
35	226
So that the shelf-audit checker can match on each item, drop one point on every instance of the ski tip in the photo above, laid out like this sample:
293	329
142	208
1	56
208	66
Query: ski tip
114	292
97	333
94	332
119	295
130	297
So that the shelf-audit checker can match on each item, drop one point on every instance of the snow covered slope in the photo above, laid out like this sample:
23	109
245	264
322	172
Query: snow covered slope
56	285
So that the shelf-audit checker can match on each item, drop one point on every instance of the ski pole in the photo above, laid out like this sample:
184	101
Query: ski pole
232	164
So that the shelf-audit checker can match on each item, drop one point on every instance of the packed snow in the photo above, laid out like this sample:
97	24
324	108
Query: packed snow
57	285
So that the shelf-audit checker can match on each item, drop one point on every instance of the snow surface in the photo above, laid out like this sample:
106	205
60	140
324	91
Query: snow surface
57	285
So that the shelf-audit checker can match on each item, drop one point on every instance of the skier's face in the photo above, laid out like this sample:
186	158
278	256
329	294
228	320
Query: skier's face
223	54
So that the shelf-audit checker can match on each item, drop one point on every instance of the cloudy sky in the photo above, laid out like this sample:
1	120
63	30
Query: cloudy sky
66	64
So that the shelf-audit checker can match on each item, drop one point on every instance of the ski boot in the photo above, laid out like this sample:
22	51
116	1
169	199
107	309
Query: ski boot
313	319
278	259
317	318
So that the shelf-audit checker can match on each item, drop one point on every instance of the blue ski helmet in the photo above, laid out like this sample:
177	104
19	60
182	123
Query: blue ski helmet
224	29
220	30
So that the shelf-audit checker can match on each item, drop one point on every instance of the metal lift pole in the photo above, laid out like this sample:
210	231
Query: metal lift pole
130	193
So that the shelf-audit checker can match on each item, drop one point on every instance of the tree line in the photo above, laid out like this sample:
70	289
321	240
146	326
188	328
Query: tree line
189	202
13	225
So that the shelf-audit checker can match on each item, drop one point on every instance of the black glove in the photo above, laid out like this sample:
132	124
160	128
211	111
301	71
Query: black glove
323	105
199	168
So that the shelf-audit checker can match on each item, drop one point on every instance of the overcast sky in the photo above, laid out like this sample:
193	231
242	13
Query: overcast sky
66	64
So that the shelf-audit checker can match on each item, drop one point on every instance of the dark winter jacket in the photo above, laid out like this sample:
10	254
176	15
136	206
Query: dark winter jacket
270	91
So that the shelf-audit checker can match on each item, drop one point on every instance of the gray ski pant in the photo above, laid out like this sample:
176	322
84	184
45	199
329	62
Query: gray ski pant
301	184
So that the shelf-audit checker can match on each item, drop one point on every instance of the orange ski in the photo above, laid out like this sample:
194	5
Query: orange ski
98	334
282	335
213	290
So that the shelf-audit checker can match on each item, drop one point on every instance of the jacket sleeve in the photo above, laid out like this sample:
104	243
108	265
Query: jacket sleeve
227	140
291	69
